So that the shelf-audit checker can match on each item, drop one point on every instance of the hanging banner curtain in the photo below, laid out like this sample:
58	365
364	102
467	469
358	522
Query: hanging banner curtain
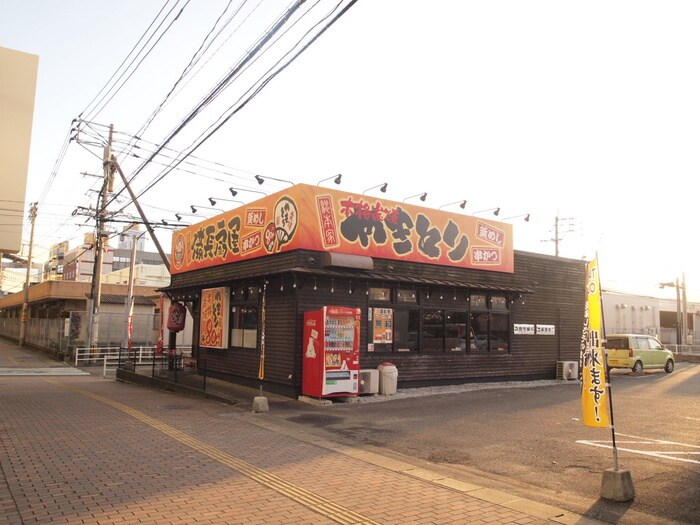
594	393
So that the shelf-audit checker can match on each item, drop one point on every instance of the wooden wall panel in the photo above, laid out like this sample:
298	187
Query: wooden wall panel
556	298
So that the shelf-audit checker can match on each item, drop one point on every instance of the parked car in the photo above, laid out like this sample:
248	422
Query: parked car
637	352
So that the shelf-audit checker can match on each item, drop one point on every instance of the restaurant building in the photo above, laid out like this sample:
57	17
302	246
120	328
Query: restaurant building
443	296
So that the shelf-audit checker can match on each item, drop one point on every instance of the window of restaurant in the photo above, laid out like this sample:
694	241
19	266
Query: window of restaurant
394	320
398	323
433	334
244	317
489	323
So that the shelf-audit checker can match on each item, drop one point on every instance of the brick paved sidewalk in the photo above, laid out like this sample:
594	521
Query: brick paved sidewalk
94	451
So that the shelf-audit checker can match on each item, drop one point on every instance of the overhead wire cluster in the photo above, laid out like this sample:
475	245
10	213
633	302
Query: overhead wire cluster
87	132
158	27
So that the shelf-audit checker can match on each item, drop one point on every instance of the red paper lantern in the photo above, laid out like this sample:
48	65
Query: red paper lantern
176	317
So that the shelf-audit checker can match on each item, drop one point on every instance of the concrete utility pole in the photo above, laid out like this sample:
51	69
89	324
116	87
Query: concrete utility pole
25	304
558	234
96	291
163	257
679	314
129	303
684	323
681	309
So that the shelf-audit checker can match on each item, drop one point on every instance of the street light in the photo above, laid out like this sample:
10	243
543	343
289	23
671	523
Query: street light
234	191
262	179
336	179
526	219
495	211
422	196
382	188
462	204
213	201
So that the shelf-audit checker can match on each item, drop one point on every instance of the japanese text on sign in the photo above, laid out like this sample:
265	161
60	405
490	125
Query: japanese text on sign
364	223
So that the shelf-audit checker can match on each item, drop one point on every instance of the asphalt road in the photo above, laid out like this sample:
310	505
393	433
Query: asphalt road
534	438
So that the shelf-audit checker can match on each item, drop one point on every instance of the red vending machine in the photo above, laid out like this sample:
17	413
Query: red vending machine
331	349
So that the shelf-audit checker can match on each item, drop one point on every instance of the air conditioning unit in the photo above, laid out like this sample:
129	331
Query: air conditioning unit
567	370
369	382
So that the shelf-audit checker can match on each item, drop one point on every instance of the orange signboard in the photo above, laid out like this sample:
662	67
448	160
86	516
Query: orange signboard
315	218
213	318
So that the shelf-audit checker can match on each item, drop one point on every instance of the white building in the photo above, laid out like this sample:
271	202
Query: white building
627	313
144	275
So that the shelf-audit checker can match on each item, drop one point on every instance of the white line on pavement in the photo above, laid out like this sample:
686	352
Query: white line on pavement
665	454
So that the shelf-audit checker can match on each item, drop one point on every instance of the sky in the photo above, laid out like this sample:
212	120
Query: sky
582	114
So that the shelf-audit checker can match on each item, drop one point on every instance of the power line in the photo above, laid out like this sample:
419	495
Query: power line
126	57
115	89
232	111
220	85
196	57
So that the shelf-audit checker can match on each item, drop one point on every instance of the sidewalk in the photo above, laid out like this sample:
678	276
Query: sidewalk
301	477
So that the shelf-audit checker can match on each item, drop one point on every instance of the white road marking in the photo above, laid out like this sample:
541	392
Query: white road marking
664	454
51	371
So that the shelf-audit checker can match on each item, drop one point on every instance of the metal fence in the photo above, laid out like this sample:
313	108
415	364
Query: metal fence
176	367
112	357
64	335
87	356
684	349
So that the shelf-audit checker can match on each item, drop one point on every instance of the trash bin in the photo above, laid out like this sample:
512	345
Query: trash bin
388	377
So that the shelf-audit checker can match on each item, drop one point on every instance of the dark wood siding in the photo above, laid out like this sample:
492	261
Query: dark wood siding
555	297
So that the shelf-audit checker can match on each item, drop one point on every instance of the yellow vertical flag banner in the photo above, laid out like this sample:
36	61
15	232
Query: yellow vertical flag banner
594	393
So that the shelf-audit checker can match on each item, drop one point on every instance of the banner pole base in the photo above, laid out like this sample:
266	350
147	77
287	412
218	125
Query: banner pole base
617	485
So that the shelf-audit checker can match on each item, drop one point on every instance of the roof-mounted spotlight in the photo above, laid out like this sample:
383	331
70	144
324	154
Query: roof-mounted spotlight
382	188
262	179
214	201
495	211
336	179
194	210
462	204
526	217
234	191
422	196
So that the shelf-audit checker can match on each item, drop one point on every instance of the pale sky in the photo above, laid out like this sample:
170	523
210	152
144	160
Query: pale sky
584	110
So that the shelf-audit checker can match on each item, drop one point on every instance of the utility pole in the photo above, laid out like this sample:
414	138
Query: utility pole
684	321
25	304
146	223
681	308
679	314
558	234
96	290
129	304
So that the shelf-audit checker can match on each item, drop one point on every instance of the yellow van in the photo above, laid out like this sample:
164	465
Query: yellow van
637	352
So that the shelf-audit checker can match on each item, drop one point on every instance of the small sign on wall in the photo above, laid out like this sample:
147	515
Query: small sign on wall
523	329
546	329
